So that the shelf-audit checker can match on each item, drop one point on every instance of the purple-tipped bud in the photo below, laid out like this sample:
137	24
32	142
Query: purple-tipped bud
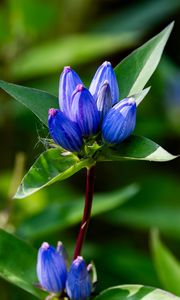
120	121
104	100
78	284
69	79
84	111
64	132
105	72
51	269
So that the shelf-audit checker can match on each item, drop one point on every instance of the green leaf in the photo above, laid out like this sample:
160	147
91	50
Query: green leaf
140	96
135	292
65	214
51	166
135	148
167	266
135	70
37	101
70	50
18	263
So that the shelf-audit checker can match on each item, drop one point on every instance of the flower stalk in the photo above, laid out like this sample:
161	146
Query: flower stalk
90	175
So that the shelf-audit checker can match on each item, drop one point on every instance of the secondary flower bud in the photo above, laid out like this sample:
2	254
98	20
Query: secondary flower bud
104	100
69	79
51	269
120	121
105	72
64	132
78	284
84	111
62	251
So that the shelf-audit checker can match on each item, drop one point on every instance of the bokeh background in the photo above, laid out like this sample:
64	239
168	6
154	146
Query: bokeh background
39	37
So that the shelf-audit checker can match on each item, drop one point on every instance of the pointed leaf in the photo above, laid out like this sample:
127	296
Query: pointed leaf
61	215
136	69
140	96
18	263
135	292
167	266
51	166
135	148
37	101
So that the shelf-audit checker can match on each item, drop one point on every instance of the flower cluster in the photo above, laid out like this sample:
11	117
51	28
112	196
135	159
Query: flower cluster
84	113
54	277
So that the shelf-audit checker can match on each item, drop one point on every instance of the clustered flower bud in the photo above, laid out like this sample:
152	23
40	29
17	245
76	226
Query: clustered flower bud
83	113
55	278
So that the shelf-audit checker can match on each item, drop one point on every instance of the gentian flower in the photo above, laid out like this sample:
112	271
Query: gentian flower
54	278
120	121
78	284
83	113
69	79
104	99
64	132
51	269
103	73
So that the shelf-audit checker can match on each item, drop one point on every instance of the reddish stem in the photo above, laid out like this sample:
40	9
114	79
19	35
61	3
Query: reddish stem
87	211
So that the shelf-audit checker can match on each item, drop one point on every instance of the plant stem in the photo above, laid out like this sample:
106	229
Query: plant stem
87	210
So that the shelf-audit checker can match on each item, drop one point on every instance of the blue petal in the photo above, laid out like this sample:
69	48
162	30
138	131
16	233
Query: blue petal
64	132
84	111
105	72
51	269
62	251
69	79
78	284
104	100
120	121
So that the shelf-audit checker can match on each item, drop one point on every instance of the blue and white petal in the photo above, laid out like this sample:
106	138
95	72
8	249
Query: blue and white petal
78	284
51	269
104	100
64	132
84	111
120	121
105	72
69	79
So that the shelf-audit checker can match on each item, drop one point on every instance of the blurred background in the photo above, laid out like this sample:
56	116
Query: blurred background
38	38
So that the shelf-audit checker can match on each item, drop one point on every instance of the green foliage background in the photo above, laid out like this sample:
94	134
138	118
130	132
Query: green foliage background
37	38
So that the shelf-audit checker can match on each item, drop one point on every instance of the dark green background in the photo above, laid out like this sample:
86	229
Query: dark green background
37	38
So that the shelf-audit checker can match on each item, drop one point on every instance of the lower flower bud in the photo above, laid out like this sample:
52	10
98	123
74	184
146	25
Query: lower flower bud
78	284
51	269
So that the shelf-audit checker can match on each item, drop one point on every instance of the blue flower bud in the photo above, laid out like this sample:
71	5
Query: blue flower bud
104	100
120	121
69	79
84	111
105	72
62	251
64	132
78	284
51	269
